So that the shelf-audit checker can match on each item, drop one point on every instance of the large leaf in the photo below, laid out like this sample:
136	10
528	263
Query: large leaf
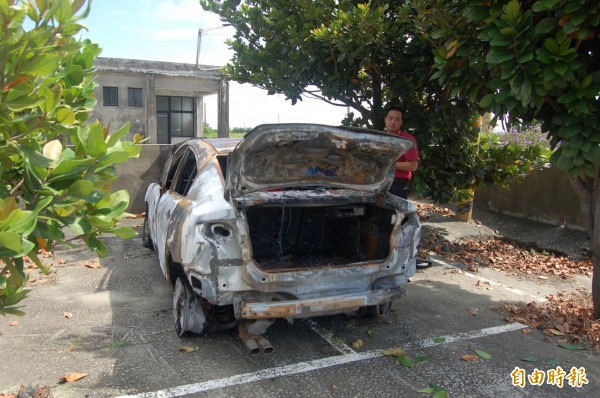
95	143
41	64
7	206
23	103
19	221
65	116
97	246
483	354
512	10
52	150
125	232
405	361
495	57
52	97
572	347
117	135
81	188
68	168
12	245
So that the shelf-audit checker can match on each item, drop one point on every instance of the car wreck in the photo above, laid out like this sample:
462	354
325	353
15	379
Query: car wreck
292	221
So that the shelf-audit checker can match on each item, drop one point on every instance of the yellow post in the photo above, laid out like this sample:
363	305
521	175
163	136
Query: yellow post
464	208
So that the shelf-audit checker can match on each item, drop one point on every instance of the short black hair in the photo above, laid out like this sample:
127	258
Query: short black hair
393	108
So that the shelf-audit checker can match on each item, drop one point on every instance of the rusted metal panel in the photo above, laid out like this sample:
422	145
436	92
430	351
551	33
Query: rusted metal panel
318	306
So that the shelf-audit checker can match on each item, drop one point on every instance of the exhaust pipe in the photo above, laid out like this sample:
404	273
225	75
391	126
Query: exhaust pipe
252	346
264	345
255	343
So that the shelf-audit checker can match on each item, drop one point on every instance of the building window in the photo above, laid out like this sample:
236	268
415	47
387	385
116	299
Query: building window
175	118
111	96
134	97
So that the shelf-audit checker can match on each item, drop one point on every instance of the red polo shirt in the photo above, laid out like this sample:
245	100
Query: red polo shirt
411	154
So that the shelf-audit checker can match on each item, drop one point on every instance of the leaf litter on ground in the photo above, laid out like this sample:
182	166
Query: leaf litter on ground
566	318
568	314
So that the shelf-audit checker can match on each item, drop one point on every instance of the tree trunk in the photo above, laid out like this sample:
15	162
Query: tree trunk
595	244
376	111
588	191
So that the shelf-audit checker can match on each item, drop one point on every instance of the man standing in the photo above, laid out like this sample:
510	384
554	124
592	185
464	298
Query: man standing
407	163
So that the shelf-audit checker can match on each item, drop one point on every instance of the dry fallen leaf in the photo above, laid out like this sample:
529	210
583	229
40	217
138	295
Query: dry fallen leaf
71	377
469	357
67	314
394	352
472	268
357	343
473	311
187	348
526	331
61	261
13	323
92	264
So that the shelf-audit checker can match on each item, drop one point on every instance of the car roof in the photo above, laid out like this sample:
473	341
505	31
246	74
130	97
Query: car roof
222	146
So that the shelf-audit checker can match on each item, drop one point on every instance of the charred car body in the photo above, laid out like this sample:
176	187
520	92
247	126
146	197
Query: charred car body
292	221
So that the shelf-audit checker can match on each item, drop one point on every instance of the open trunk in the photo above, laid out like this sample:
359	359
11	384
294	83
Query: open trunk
288	237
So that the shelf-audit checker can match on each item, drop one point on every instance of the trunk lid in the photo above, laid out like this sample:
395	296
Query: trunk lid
274	156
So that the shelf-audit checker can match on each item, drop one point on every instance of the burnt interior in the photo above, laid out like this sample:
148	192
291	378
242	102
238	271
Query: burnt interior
287	237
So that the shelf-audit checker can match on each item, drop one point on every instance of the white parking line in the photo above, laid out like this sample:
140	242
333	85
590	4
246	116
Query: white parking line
327	335
316	364
492	282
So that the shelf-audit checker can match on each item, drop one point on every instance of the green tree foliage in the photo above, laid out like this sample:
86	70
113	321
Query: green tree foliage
534	60
364	55
444	62
208	131
339	51
55	169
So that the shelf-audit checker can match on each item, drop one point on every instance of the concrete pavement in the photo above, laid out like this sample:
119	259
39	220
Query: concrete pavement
120	334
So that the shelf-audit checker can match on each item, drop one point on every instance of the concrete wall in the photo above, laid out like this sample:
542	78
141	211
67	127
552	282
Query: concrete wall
136	174
117	116
545	195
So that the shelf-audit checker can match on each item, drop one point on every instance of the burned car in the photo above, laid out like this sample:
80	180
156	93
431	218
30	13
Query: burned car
292	221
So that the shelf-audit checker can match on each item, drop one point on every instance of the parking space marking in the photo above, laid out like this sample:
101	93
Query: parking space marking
327	335
492	282
308	366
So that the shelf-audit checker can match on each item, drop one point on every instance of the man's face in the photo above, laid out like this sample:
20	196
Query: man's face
393	121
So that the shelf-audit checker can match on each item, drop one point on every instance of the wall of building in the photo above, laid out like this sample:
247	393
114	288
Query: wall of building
157	79
117	116
545	195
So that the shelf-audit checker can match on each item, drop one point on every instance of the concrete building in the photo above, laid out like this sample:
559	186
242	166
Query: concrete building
164	101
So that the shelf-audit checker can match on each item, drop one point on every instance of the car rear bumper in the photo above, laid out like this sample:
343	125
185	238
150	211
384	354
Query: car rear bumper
316	306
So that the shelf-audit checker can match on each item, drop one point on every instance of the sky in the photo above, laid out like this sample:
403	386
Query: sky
167	30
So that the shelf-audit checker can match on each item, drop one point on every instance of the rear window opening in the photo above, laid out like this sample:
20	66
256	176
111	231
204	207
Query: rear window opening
302	237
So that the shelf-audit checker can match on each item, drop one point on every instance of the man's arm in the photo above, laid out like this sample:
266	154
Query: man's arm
410	165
